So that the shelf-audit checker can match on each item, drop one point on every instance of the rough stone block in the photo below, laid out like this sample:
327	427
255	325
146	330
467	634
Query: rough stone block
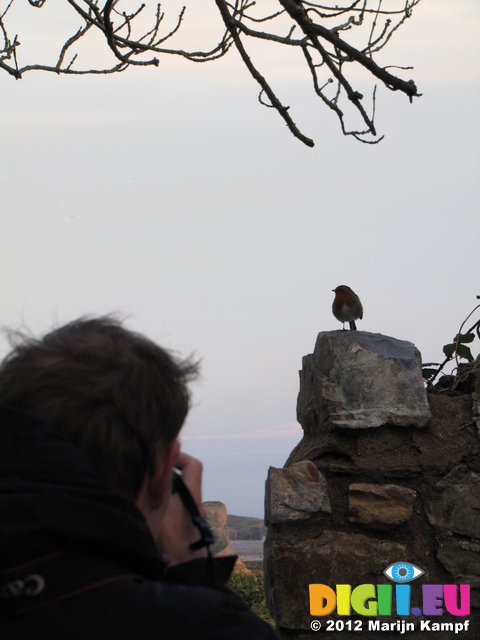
462	559
330	559
358	380
455	505
377	504
295	493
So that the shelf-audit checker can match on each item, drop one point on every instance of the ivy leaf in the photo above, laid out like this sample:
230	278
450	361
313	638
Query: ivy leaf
427	372
449	350
465	337
464	352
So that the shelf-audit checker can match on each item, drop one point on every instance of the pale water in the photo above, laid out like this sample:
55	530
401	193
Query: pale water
248	549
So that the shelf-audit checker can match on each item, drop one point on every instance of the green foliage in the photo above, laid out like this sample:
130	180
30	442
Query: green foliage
458	346
249	586
457	349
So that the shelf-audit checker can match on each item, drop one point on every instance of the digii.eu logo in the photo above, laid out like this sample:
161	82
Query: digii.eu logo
389	599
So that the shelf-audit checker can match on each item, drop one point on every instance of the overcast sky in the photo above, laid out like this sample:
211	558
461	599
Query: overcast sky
171	196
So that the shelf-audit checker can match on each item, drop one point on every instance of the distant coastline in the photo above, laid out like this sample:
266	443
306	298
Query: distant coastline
248	550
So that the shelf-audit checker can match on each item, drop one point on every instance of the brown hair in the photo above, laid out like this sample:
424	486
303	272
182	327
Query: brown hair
112	392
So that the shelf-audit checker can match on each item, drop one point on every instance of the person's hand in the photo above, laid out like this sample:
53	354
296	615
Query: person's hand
177	531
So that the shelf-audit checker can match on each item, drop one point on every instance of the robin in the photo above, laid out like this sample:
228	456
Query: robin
347	306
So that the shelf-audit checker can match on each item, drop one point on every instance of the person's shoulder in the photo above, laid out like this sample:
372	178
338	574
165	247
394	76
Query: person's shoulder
142	609
192	611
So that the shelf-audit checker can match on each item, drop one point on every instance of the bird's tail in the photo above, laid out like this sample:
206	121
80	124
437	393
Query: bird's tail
353	326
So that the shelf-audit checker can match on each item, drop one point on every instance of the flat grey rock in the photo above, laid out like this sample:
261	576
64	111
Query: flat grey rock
359	380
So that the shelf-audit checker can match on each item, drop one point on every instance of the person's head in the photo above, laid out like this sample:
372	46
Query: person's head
114	393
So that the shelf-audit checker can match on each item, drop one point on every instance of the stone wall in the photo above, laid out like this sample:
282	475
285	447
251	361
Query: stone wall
383	474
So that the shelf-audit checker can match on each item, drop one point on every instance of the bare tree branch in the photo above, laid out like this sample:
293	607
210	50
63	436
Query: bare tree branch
335	42
274	101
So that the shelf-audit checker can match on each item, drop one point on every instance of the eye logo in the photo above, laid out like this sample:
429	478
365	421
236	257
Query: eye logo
403	572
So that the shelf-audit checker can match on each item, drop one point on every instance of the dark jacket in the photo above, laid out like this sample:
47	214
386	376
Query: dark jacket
77	560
